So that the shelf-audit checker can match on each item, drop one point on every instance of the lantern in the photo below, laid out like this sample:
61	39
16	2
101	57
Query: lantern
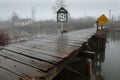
62	15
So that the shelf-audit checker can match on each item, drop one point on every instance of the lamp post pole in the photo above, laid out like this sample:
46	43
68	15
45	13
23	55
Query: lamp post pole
62	26
97	24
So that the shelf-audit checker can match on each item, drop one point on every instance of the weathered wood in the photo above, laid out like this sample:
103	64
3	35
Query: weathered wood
59	42
20	69
63	43
34	55
86	54
43	66
7	75
50	46
69	39
69	68
58	54
41	59
65	38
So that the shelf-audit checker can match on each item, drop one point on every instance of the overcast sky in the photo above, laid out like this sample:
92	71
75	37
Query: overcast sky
44	11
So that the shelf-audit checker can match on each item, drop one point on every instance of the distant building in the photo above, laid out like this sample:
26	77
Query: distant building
23	22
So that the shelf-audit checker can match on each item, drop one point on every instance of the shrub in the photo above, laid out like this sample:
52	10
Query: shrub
4	38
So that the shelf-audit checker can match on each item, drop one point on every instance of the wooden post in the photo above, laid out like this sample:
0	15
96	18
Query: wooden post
97	25
89	61
101	27
62	27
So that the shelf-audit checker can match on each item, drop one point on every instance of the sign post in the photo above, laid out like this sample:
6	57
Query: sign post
62	26
97	25
102	20
62	17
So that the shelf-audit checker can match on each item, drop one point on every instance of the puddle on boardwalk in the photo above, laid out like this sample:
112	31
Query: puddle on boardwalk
105	65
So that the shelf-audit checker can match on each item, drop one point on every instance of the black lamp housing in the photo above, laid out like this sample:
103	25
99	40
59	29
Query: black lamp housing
62	15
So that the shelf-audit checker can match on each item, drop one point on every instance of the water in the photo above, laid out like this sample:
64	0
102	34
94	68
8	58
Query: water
105	65
111	65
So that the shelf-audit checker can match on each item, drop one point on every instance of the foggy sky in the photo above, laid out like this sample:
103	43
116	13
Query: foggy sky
44	11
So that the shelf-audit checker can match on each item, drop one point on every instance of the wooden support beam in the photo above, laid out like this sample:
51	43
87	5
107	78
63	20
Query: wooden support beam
69	68
87	66
86	54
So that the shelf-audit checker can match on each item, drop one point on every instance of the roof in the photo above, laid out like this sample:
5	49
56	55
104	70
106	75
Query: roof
62	10
24	20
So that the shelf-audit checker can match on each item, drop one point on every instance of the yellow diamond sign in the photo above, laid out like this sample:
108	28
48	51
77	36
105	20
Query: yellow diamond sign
102	20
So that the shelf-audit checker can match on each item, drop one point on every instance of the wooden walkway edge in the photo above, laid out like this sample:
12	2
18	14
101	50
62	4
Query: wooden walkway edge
41	59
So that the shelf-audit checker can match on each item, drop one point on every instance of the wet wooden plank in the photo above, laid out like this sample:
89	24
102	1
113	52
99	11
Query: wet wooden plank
21	69
66	39
59	50
79	37
79	34
57	54
89	31
46	47
61	46
41	65
50	46
84	33
7	75
34	55
52	54
69	39
59	41
56	39
43	47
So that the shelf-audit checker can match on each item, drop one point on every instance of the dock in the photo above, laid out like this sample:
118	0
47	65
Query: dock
41	59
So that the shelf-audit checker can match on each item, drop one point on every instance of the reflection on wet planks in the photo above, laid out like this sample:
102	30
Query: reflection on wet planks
41	59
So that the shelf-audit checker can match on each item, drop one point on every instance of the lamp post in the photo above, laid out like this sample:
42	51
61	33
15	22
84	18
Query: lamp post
62	17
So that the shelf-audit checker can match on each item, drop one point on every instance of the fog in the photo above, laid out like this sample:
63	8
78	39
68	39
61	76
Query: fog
83	14
44	11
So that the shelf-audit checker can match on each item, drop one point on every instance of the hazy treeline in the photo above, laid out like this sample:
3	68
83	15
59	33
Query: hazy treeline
47	27
51	26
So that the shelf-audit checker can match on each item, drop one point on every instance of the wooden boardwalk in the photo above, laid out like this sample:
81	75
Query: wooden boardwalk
41	59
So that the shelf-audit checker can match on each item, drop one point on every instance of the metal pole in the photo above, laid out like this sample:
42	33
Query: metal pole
112	21
62	27
109	14
97	25
110	17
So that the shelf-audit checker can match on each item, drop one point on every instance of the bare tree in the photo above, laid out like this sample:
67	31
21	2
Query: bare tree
58	5
33	11
14	17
